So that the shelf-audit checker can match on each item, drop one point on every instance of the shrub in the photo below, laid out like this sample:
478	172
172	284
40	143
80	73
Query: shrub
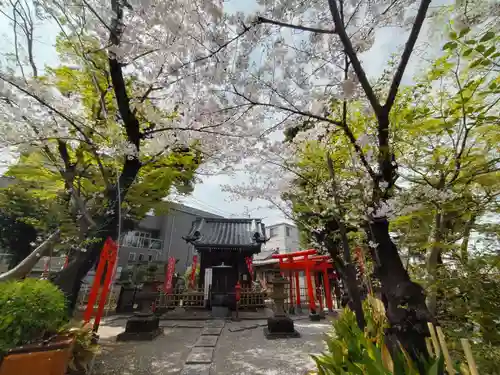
352	351
29	311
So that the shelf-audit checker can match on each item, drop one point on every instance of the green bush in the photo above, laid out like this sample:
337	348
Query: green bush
352	351
29	311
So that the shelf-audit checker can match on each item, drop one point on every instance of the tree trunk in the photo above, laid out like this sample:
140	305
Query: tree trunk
433	261
464	246
69	280
406	310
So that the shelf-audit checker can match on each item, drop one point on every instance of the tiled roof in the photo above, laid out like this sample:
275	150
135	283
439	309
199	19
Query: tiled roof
266	254
227	233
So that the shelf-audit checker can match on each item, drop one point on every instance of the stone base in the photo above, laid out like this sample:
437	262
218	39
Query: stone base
314	317
279	327
141	327
280	335
321	314
291	310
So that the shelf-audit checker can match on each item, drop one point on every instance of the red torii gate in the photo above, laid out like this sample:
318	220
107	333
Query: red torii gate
309	262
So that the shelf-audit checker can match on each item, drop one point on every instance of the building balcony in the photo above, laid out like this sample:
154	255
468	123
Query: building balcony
140	242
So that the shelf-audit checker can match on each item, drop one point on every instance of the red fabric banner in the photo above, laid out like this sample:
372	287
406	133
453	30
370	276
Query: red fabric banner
108	256
169	275
193	270
248	260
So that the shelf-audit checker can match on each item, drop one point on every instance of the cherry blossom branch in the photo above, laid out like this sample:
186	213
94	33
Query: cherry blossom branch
129	119
405	57
349	50
263	20
294	111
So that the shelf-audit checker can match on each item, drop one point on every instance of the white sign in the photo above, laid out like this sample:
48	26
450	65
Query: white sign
208	282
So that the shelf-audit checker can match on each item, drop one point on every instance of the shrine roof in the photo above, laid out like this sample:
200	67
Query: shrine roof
234	234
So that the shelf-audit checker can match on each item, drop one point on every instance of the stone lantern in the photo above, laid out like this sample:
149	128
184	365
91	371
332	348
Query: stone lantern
143	325
280	325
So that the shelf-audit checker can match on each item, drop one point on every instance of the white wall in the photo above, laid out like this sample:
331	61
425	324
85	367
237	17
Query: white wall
280	240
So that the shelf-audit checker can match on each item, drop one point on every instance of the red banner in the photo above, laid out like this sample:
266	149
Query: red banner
108	257
193	270
248	260
169	275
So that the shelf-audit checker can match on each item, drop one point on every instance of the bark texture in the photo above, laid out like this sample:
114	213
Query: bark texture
404	300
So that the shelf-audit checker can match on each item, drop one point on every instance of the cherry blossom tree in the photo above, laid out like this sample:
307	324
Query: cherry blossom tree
150	95
311	58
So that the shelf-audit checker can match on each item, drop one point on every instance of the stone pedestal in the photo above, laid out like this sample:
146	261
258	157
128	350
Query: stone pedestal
141	327
279	325
314	316
144	325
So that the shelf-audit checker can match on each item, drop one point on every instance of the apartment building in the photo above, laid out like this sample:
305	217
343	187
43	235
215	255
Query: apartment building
283	237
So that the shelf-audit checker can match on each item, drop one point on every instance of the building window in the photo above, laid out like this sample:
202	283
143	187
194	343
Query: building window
142	240
272	232
141	257
131	257
287	231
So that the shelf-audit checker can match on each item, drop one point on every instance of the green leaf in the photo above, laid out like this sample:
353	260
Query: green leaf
453	35
480	48
488	36
450	46
464	31
489	51
467	52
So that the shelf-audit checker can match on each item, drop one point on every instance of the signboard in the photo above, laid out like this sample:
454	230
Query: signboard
208	282
169	275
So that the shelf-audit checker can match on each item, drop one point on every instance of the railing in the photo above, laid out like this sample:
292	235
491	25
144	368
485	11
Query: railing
111	300
252	299
192	298
142	242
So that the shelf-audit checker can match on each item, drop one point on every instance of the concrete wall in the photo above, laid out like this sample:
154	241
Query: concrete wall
285	241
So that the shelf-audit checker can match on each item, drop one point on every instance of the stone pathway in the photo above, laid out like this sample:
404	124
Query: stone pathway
199	360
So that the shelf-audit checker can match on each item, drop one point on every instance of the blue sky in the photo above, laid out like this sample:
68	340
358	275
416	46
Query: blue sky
208	195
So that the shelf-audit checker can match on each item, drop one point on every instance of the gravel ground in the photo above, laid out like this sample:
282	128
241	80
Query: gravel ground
237	353
165	355
248	352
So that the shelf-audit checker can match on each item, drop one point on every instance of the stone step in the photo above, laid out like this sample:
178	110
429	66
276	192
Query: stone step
211	331
196	370
200	356
206	341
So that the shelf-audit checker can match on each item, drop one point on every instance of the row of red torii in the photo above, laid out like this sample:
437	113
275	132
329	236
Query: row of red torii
312	265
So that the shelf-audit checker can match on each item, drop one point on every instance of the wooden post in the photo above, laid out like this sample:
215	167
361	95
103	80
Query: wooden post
297	288
312	304
470	358
328	292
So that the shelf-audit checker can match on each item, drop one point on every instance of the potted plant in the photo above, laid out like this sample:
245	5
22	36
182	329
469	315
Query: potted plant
85	347
31	314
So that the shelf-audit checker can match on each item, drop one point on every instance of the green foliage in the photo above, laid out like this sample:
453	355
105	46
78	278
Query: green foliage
84	348
468	306
29	310
25	217
351	351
